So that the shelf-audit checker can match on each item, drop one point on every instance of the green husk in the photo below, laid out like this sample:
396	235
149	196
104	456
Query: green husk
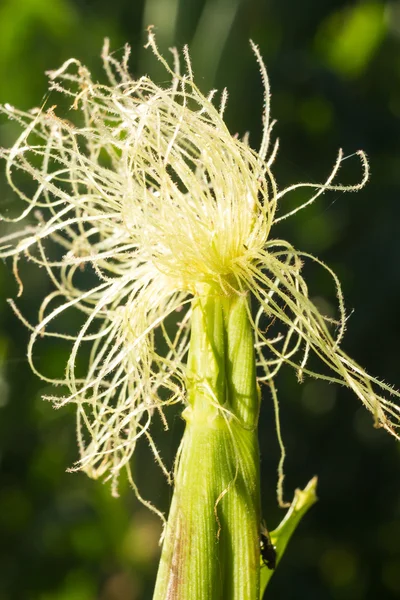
211	548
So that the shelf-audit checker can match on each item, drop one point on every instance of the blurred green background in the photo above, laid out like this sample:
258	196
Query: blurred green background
335	76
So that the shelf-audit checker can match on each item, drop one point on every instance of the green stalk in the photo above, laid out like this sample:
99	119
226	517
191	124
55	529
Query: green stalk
211	547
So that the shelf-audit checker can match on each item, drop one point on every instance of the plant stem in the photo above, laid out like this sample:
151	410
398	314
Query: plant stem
211	548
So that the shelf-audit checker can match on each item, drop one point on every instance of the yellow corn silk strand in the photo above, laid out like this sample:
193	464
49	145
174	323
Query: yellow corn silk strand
148	188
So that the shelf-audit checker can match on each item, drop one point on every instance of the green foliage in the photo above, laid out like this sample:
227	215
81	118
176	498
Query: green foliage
349	38
279	538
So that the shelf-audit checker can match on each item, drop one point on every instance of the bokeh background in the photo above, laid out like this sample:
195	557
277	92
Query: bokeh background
335	76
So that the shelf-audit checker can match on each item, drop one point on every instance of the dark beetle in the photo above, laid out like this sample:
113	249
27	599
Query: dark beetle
268	552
